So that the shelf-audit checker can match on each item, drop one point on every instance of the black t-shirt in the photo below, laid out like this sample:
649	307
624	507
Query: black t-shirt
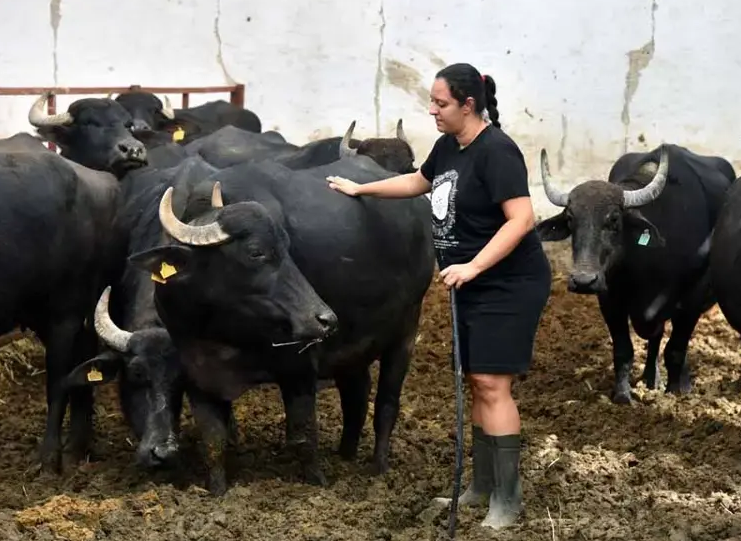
468	188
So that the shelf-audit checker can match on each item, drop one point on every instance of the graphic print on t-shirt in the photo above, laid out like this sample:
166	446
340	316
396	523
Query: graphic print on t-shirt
444	188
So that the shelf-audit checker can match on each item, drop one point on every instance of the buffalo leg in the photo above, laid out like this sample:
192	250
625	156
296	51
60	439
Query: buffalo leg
354	388
81	402
298	391
616	318
232	429
700	299
59	343
212	418
393	371
675	352
651	375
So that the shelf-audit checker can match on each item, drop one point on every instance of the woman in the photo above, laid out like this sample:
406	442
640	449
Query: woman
483	230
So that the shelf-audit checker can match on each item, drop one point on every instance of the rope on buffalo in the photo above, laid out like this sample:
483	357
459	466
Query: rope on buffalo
458	374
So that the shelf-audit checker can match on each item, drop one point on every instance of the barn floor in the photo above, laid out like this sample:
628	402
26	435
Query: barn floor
663	468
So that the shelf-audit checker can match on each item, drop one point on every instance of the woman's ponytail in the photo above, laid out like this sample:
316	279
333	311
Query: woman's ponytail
490	96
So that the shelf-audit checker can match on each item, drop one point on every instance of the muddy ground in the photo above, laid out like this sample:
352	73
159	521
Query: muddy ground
662	468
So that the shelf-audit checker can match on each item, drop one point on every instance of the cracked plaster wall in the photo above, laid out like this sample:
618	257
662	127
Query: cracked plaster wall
586	84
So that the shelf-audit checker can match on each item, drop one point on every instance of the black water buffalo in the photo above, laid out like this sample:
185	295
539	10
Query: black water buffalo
640	242
725	260
93	132
142	357
165	154
393	154
209	117
23	142
147	111
231	146
290	282
56	224
151	114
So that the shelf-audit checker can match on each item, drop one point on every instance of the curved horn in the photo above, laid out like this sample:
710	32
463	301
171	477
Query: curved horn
643	196
400	132
116	338
216	200
37	117
555	196
167	109
109	96
345	149
193	235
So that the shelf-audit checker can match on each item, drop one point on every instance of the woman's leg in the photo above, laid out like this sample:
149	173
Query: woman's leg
493	408
496	411
482	480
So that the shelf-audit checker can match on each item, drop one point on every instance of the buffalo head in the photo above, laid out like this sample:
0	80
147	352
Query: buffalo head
392	153
147	110
150	383
602	219
93	132
233	263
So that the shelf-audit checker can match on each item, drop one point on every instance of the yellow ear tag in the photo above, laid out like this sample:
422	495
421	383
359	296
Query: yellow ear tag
94	375
178	135
166	270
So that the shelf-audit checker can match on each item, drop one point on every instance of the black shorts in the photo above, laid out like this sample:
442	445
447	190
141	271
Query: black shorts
497	327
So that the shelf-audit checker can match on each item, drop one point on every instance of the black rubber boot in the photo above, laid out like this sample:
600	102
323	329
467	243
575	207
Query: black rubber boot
505	503
482	483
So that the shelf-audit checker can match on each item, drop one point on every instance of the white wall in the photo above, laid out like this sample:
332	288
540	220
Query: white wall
585	79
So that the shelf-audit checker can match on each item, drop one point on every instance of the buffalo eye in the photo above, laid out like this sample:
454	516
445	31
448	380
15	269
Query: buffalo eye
257	255
137	373
612	222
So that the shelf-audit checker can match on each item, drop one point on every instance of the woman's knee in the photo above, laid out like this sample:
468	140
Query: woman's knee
491	387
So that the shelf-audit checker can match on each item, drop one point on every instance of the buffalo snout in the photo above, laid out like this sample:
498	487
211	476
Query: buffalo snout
327	320
156	454
587	282
130	150
316	325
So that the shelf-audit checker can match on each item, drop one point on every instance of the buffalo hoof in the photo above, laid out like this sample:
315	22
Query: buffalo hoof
621	397
80	449
51	459
653	384
380	466
348	451
52	463
315	476
216	484
684	387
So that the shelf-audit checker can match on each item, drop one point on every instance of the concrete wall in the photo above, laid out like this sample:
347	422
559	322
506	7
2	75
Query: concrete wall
585	79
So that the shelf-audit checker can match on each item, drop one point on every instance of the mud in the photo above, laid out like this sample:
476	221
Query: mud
663	467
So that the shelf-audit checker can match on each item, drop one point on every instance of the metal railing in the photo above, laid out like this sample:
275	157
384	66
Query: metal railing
236	93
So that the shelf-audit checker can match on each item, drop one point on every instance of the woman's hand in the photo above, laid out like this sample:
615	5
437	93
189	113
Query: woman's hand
457	275
348	187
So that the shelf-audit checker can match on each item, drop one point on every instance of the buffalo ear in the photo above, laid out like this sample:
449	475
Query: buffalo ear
640	230
58	135
166	263
554	229
97	371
